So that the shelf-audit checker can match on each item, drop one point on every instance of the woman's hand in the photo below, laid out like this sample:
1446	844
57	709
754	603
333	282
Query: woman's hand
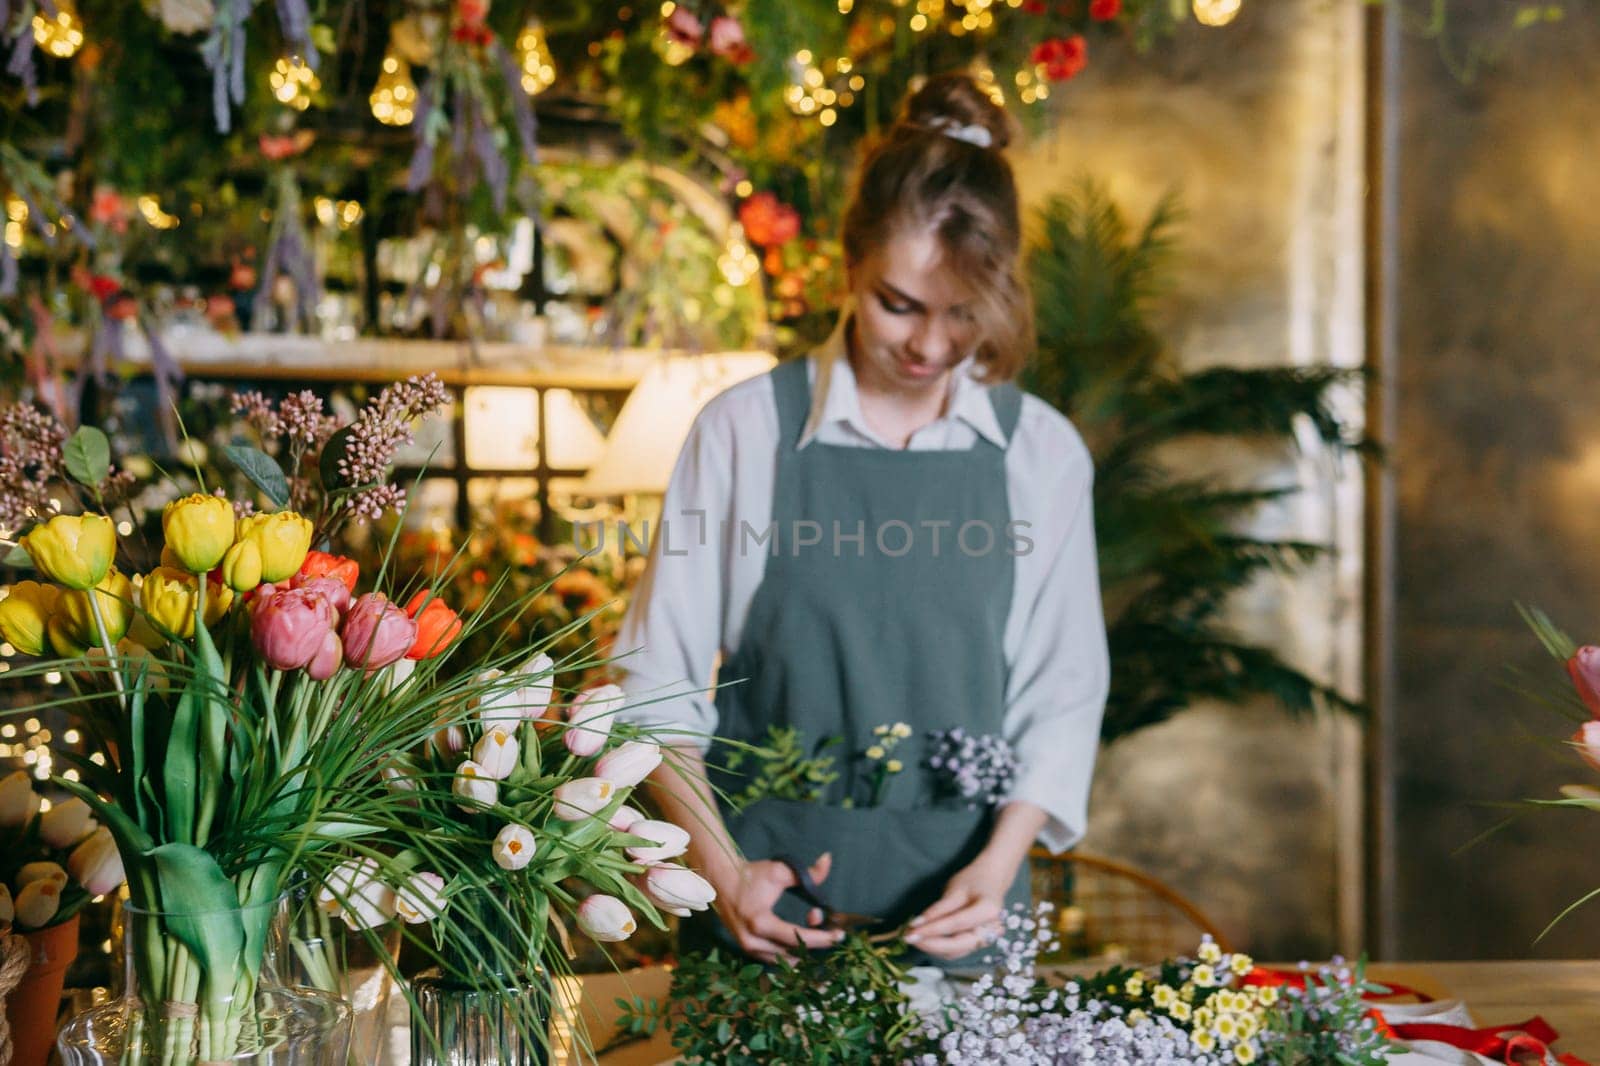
745	905
967	916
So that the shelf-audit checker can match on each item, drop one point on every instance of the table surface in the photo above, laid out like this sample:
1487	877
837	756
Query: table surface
1566	994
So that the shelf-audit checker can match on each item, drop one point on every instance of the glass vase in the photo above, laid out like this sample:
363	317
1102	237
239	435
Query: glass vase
458	1024
181	1007
358	966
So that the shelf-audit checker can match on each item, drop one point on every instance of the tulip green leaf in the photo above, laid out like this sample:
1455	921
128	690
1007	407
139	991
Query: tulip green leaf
262	470
87	456
201	908
17	558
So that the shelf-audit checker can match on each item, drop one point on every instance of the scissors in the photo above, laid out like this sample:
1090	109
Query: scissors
807	889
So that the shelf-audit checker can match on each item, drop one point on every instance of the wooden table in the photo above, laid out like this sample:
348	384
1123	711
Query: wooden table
1566	994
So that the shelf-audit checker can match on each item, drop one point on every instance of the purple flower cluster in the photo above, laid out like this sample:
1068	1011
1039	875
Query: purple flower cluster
298	418
31	467
381	429
980	769
30	459
1005	1018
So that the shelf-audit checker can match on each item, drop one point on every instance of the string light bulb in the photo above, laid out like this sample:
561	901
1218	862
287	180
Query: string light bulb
738	261
538	66
394	97
60	36
154	216
1216	12
293	83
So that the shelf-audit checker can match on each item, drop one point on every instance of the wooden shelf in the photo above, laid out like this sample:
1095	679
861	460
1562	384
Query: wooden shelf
268	356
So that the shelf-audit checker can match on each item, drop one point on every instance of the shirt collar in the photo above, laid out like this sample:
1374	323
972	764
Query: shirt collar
835	397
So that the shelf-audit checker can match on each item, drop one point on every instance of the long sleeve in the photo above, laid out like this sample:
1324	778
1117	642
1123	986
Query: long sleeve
1060	675
690	605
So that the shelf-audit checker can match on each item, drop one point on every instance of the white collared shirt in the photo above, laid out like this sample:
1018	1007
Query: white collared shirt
689	609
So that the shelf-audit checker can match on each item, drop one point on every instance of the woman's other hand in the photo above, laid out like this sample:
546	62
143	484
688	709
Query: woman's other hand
967	917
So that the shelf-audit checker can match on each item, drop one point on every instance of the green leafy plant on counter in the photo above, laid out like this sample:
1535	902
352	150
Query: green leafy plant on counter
843	1006
1172	550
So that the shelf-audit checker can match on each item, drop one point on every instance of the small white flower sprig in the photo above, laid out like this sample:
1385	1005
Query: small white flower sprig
979	768
881	753
1188	1011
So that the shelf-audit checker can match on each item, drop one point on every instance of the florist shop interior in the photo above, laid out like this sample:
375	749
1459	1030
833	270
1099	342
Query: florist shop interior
467	472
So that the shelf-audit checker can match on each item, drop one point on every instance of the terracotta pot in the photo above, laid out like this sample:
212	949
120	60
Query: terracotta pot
31	1007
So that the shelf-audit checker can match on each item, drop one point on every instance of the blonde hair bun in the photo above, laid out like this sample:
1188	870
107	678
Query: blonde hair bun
956	106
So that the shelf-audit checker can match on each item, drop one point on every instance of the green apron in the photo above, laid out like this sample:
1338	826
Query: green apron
880	621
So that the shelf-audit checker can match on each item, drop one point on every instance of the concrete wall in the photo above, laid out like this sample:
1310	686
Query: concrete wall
1498	473
1259	127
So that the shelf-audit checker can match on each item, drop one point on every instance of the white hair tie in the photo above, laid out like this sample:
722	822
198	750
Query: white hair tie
973	134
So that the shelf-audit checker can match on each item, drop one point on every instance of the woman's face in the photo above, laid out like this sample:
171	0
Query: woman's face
913	321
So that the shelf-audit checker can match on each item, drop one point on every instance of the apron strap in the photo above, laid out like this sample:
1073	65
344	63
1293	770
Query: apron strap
791	387
1006	399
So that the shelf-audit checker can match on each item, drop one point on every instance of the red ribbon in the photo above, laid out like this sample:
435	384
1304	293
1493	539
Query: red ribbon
1532	1037
1263	975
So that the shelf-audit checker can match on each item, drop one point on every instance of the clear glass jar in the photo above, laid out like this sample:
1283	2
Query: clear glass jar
326	954
458	1024
181	1009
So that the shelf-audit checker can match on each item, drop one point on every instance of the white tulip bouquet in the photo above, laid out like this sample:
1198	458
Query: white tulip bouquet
52	860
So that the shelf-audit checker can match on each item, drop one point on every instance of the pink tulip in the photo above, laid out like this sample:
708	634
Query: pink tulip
289	626
589	720
728	40
1584	666
376	632
667	841
1587	738
606	918
336	592
683	27
679	890
329	657
629	764
625	818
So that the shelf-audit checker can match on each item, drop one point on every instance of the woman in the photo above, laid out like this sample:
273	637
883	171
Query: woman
884	533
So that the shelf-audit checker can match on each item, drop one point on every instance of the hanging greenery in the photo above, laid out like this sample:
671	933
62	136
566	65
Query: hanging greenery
1173	550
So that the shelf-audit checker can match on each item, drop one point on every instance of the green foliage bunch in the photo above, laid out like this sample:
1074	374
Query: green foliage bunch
1172	548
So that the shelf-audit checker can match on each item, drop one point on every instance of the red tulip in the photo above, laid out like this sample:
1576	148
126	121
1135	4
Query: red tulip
289	626
376	632
1062	58
768	221
1104	10
103	288
322	564
1584	666
437	625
